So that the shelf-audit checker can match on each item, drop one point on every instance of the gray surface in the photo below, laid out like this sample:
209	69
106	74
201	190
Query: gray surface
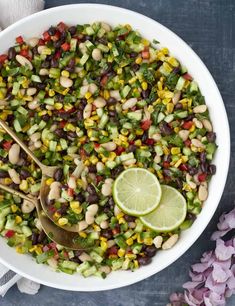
209	27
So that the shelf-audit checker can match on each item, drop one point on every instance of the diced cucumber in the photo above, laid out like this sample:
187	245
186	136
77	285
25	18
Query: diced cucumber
96	257
35	188
92	270
111	164
17	126
126	156
117	263
52	145
22	111
126	264
160	117
82	267
158	150
84	59
137	116
101	217
63	144
125	91
66	264
73	44
26	230
32	130
36	78
41	125
180	83
49	101
169	118
104	119
139	226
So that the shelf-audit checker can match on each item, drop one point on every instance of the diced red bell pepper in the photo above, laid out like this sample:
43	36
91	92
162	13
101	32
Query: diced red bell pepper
70	192
166	164
187	142
24	52
7	145
113	250
104	80
65	254
57	55
149	142
19	40
56	36
145	125
61	26
65	46
96	145
9	234
41	42
99	178
119	150
202	177
46	36
183	167
145	54
116	230
82	153
131	142
187	76
62	124
187	125
3	57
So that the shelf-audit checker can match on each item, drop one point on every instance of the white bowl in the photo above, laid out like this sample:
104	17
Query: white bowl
88	13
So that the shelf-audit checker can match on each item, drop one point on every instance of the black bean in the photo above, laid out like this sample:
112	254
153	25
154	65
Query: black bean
192	170
80	197
3	174
58	43
54	63
75	259
72	30
58	175
189	118
24	174
41	236
165	129
51	31
107	233
131	148
144	136
117	170
204	167
102	40
190	216
88	37
8	98
176	70
145	93
203	157
45	64
133	54
63	36
14	186
45	117
63	209
60	98
135	67
77	253
92	169
167	172
71	63
11	53
178	106
34	238
71	135
4	159
179	183
111	202
143	261
91	189
111	101
60	133
40	86
112	113
151	250
92	198
1	65
212	169
129	218
35	50
211	136
79	115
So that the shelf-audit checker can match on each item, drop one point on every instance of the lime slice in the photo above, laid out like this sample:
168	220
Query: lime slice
170	212
137	191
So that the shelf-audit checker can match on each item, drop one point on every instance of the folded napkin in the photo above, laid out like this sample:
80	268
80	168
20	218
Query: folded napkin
11	11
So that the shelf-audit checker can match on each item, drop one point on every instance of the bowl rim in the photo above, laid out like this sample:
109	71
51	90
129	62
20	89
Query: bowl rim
226	160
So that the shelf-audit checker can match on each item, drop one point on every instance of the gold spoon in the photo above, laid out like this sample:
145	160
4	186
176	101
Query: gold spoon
55	233
46	171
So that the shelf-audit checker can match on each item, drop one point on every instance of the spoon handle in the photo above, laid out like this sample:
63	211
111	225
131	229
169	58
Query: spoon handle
20	143
15	192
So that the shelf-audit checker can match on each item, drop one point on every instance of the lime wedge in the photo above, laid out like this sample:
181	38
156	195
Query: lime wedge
170	212
137	191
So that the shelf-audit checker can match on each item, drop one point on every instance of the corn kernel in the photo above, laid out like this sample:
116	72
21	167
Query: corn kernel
173	61
65	73
103	239
166	151
38	250
24	185
165	51
51	93
90	100
120	215
134	237
18	219
119	71
106	94
138	143
97	229
117	141
49	181
94	160
58	106
148	241
176	129
31	250
7	181
19	250
145	42
132	81
139	132
82	234
136	264
175	150
129	241
159	174
110	45
74	204
64	92
87	162
192	129
130	256
62	221
95	118
121	221
56	215
121	252
138	60
103	245
170	108
88	95
178	163
14	208
184	158
70	127
144	85
186	187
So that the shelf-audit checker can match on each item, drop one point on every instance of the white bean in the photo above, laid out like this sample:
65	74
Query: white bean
3	103
156	136
106	189
129	162
87	111
92	209
108	181
23	61
41	49
85	257
198	123
33	104
131	224
99	102
157	159
116	210
199	109
53	263
129	103
38	144
176	97
83	90
184	134
109	146
14	154
55	191
35	137
27	207
14	176
170	242
105	269
110	243
38	224
89	218
93	88
82	47
33	41
104	224
105	26
99	166
202	193
82	225
197	143
66	82
115	94
72	182
207	125
31	91
97	54
44	71
50	107
158	241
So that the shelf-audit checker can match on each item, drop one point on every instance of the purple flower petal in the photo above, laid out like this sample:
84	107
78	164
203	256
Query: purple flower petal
219	275
197	277
222	252
191	285
191	300
219	288
213	299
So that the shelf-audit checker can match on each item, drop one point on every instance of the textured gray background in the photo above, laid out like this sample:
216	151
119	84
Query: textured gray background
209	28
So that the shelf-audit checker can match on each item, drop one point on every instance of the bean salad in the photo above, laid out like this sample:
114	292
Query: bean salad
96	100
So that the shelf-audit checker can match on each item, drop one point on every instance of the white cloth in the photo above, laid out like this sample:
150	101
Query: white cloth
11	11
